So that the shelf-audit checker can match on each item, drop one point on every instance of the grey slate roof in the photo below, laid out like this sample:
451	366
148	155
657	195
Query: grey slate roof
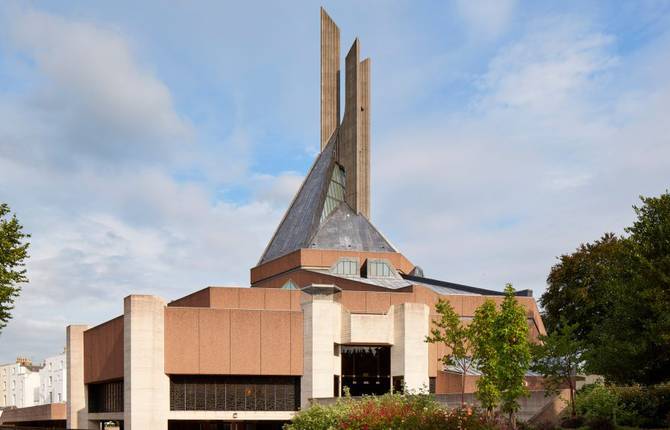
303	216
346	230
301	226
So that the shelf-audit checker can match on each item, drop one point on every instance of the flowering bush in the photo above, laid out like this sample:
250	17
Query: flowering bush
391	411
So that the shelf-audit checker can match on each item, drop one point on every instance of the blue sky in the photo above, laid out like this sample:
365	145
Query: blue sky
152	148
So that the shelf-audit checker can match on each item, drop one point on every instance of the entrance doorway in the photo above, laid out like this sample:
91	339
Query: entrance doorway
366	369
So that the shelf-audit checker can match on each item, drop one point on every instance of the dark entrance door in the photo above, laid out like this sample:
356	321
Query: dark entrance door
366	369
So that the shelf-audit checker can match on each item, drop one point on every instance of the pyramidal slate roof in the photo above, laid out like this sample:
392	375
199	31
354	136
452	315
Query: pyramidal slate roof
303	227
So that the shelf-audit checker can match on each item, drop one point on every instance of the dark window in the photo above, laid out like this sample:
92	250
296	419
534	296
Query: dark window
366	369
234	393
105	397
398	384
336	386
431	384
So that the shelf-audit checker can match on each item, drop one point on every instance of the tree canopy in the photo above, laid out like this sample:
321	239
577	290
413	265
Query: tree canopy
615	293
558	358
450	331
13	254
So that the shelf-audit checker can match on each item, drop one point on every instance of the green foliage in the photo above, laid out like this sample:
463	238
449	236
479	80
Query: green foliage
485	354
449	330
646	407
317	417
616	292
390	411
514	356
13	253
597	401
558	358
633	406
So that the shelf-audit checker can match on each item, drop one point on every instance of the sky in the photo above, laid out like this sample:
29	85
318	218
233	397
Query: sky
152	147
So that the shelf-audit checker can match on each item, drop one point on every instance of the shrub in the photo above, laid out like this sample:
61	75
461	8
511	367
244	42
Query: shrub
597	401
316	417
646	407
391	411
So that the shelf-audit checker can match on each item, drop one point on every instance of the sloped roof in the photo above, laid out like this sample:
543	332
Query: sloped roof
304	214
302	226
346	230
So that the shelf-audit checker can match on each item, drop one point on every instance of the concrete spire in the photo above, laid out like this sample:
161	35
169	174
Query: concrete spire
354	137
330	78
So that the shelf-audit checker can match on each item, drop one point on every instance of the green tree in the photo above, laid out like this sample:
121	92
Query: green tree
514	356
558	357
13	253
616	292
485	354
449	330
578	285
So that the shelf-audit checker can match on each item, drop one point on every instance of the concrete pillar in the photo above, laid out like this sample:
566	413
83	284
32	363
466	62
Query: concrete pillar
77	410
146	386
409	353
322	327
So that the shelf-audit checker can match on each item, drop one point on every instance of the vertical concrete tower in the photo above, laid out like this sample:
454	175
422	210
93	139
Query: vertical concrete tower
330	78
353	135
332	208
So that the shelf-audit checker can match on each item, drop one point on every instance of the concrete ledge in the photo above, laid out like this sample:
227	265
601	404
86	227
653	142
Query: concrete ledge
232	415
50	412
105	416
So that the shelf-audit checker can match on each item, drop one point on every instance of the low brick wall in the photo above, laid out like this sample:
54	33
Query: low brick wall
50	412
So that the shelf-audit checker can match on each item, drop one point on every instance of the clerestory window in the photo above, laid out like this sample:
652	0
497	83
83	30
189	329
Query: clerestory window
335	194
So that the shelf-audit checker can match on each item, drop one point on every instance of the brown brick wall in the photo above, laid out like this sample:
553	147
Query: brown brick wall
233	341
103	351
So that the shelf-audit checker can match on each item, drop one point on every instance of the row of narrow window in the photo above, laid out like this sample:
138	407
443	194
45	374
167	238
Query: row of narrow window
371	269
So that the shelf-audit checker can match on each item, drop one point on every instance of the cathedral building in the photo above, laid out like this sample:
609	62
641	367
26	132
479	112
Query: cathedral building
332	307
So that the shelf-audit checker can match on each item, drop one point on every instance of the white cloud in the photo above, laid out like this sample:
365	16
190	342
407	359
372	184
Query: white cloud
563	138
88	157
486	18
557	60
94	96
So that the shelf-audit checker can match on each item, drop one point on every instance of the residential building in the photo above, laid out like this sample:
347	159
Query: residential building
53	380
19	384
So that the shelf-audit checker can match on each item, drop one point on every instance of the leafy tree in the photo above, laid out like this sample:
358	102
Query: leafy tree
13	253
578	285
449	330
485	354
514	356
616	292
559	358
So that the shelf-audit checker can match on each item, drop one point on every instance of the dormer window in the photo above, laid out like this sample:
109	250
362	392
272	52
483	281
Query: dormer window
345	266
378	268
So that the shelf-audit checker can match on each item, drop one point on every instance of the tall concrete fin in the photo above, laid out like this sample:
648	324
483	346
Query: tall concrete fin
364	180
354	138
348	142
330	78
